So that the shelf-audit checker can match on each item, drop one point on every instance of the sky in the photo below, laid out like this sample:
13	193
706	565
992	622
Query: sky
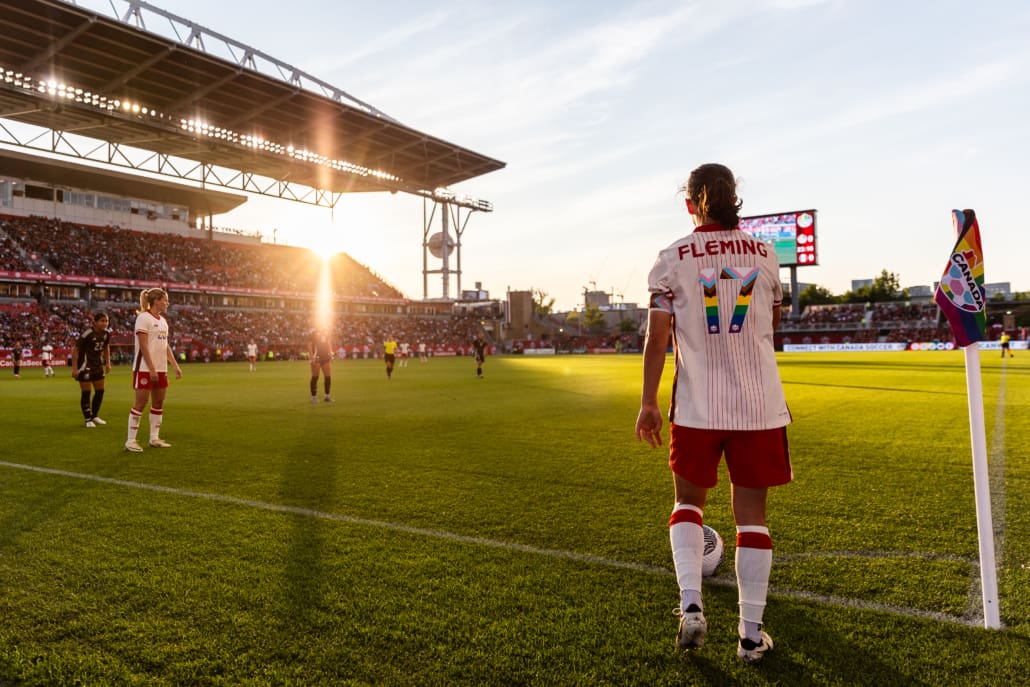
882	116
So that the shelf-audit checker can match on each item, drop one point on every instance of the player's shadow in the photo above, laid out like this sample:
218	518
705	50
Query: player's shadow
807	651
803	640
309	482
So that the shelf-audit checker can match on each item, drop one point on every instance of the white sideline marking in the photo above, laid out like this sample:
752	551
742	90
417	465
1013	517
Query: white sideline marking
719	581
382	524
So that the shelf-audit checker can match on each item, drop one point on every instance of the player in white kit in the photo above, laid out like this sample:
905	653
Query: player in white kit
150	367
252	355
717	290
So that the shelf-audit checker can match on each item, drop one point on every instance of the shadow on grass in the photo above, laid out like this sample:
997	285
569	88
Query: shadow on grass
308	481
811	651
46	504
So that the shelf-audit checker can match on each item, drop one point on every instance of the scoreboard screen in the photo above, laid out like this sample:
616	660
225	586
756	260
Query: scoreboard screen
791	233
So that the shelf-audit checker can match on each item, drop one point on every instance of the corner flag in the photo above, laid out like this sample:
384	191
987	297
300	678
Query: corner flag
963	301
960	294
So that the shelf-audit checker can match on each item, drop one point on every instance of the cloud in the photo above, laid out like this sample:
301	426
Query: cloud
908	98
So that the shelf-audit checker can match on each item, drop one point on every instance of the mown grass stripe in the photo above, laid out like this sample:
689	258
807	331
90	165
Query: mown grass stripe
723	580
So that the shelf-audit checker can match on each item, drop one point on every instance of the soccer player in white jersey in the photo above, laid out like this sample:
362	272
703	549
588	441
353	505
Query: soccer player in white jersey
717	290
150	367
47	356
252	355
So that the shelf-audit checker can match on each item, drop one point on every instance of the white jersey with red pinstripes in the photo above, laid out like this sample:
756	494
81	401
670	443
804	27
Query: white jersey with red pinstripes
156	329
721	285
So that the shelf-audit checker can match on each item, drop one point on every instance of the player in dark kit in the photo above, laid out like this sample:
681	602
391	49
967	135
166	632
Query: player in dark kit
480	352
321	360
91	356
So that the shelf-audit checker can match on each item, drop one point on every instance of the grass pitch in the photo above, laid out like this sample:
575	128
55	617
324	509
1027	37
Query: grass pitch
436	529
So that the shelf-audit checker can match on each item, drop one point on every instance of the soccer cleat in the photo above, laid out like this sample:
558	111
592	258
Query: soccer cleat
98	421
89	424
328	399
693	628
314	399
133	447
752	651
159	443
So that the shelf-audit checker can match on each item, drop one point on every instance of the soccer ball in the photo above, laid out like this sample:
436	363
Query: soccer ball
714	550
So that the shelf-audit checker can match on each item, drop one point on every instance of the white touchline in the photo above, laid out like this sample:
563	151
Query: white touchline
719	581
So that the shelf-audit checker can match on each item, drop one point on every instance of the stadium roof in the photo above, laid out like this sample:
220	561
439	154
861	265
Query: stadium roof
62	173
69	69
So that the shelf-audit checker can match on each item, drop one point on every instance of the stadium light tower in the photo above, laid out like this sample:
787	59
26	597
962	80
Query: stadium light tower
441	244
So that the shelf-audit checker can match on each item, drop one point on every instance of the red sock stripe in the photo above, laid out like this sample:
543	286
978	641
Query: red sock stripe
753	540
685	515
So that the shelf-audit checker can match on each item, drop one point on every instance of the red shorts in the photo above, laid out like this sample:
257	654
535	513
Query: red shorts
141	380
754	458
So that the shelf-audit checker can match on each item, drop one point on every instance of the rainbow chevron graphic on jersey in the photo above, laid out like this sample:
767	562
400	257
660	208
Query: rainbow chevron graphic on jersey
709	278
747	288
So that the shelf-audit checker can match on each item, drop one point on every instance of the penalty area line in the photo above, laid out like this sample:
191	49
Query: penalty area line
719	580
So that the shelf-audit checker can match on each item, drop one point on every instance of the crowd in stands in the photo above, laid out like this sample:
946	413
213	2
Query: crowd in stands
11	259
27	324
823	314
616	342
47	245
65	248
224	333
867	323
849	316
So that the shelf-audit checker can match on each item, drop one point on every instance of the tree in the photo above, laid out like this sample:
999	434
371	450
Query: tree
628	325
816	295
884	288
593	319
887	287
542	305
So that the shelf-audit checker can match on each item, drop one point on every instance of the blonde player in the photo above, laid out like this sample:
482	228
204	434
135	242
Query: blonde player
718	291
150	367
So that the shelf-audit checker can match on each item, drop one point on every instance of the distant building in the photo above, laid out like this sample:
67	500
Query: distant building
1002	288
920	293
478	294
857	284
598	299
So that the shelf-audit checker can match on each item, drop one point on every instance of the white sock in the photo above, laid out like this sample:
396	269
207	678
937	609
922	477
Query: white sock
155	423
754	563
688	548
134	419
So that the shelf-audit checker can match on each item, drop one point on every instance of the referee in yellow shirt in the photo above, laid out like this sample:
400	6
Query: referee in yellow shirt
389	349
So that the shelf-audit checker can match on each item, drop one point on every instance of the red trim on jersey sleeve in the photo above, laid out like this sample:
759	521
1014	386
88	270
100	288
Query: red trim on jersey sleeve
753	540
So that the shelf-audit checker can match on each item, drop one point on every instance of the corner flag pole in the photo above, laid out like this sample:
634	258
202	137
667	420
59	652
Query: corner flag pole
982	487
963	300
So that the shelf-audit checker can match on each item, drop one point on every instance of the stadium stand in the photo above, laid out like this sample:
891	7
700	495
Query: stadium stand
223	294
865	323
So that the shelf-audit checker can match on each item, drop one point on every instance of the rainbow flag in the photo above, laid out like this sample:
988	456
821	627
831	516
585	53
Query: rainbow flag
960	294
